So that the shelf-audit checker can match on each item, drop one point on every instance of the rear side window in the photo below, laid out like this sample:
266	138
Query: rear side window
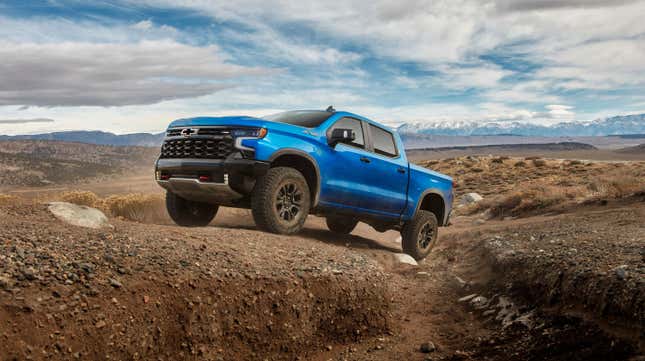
383	142
353	124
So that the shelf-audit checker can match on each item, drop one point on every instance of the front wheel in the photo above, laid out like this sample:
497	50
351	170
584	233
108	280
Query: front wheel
280	201
189	213
419	235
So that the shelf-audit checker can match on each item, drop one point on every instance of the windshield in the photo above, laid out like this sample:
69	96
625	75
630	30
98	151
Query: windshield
303	118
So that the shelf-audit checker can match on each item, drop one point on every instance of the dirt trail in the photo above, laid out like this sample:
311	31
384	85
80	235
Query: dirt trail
229	292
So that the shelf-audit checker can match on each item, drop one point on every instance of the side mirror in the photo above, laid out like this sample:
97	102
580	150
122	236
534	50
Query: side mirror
340	135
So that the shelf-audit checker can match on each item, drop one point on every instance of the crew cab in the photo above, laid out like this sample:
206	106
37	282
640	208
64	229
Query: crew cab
333	164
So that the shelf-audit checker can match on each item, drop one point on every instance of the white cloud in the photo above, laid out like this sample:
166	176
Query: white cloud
111	74
25	121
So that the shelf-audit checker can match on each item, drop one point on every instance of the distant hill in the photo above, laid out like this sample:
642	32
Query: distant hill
95	137
639	149
618	125
45	162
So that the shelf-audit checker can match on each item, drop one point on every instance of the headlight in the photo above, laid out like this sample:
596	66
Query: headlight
249	133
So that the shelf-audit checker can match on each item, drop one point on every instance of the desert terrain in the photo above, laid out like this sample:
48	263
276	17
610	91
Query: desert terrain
549	265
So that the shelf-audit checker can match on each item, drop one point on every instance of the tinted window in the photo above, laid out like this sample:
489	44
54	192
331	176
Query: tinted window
303	118
383	142
354	125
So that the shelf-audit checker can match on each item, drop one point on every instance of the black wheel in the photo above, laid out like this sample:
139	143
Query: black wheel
189	213
420	234
341	225
280	201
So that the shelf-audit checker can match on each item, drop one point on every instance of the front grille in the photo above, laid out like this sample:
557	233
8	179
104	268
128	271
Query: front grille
208	143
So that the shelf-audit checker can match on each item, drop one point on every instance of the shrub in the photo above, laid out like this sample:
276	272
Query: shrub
539	162
82	198
520	163
7	200
148	208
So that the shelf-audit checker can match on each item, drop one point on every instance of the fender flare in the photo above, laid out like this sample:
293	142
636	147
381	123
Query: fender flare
423	195
298	152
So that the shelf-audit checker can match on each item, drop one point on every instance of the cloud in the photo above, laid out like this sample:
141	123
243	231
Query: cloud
524	5
72	74
25	121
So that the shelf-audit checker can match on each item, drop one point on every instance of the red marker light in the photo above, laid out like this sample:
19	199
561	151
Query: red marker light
204	178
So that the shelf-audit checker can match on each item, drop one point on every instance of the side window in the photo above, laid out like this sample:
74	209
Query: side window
383	142
355	125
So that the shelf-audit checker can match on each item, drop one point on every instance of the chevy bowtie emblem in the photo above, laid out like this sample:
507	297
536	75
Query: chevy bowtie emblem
188	132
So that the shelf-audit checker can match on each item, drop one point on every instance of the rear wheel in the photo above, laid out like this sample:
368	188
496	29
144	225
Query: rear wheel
420	234
341	225
280	201
189	213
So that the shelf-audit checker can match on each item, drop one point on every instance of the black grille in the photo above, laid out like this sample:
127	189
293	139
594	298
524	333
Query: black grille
210	148
173	132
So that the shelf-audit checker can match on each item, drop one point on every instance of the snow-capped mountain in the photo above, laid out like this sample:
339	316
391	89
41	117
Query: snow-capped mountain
618	125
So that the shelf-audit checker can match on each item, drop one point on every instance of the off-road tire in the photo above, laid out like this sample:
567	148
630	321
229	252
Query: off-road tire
341	225
189	213
413	240
270	204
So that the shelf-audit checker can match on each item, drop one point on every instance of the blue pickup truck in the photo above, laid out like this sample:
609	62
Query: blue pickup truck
283	167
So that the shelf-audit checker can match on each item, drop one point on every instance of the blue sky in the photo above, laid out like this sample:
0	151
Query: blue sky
127	66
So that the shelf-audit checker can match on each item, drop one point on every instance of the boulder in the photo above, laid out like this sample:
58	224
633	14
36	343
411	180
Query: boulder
470	198
405	258
81	216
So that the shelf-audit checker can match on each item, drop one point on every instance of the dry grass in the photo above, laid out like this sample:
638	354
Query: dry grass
533	185
146	208
528	200
7	200
82	198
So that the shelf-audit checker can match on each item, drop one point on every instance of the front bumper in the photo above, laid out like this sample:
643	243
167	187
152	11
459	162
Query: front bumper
182	177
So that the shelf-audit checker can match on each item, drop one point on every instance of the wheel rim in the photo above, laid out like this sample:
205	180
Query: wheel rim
289	202
426	236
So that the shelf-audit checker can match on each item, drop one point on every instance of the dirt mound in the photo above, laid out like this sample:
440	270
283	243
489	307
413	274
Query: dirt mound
146	292
529	186
585	277
638	149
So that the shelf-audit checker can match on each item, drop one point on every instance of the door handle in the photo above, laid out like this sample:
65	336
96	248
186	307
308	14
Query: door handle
365	160
400	170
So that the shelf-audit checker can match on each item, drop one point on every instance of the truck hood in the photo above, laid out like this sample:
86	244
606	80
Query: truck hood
240	121
225	121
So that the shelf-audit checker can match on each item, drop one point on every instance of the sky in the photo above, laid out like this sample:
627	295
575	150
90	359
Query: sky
134	65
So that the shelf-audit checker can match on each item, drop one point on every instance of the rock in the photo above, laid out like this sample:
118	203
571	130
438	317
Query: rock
405	258
479	301
29	273
467	298
87	267
5	283
398	240
427	347
81	216
115	283
470	198
621	271
100	324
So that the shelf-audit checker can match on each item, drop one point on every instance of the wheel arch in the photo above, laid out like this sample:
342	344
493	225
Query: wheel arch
302	162
432	200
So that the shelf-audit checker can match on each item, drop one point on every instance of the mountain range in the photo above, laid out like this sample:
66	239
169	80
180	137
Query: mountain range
95	137
618	125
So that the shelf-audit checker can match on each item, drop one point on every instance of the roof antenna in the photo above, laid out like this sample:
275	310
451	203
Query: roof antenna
330	109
